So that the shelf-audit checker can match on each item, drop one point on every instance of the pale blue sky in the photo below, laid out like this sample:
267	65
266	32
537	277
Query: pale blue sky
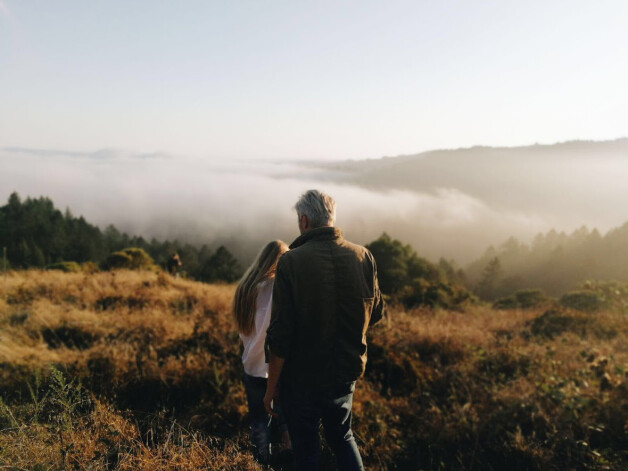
308	80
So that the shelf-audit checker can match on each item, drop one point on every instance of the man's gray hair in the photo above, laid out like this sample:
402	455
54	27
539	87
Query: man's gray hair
319	208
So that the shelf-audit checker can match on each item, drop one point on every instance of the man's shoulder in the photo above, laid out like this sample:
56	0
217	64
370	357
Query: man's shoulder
361	251
354	246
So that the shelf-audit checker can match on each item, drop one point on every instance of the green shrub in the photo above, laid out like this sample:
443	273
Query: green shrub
586	301
613	294
508	302
117	260
67	267
524	299
530	298
132	258
553	323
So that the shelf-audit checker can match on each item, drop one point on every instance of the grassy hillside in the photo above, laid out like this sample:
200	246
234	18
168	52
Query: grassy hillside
128	370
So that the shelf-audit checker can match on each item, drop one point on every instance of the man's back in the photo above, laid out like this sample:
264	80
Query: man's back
325	297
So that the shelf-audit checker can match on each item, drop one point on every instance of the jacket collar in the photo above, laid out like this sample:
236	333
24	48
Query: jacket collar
320	233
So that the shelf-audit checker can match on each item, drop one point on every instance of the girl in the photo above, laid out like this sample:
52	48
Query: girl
251	311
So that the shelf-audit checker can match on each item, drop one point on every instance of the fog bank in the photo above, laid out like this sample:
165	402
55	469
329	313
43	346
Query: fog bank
243	204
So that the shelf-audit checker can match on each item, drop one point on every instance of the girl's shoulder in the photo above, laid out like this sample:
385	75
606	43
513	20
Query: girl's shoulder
265	287
264	284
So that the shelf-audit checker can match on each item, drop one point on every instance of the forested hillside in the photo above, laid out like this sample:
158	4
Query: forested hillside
37	235
554	262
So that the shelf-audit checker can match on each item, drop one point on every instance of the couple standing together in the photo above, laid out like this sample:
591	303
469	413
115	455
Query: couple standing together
302	313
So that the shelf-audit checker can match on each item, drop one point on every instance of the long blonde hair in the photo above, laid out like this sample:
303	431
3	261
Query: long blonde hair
263	268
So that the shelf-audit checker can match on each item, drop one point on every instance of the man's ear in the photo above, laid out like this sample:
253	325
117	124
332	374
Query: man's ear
306	222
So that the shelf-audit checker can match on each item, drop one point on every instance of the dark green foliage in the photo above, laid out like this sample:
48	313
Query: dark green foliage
137	258
586	301
413	280
117	260
555	322
68	267
221	266
507	302
504	366
36	234
393	263
529	298
555	262
524	299
490	276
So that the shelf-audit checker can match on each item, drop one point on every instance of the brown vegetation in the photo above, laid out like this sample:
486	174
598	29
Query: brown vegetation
138	370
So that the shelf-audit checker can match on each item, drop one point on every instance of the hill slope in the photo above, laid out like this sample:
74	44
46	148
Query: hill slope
159	366
529	178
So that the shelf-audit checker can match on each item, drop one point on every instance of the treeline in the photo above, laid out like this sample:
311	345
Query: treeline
36	234
414	281
554	262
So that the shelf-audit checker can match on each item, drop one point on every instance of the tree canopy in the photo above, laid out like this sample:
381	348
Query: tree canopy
413	280
37	235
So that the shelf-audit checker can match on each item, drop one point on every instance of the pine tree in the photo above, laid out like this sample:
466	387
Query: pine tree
222	266
490	277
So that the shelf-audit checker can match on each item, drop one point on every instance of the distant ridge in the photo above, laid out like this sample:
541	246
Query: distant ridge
620	141
552	177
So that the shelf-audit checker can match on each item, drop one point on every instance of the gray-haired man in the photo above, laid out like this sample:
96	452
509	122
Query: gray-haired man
324	299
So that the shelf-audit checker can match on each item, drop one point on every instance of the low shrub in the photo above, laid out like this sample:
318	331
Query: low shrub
67	267
554	322
117	260
524	299
132	258
530	298
507	302
586	301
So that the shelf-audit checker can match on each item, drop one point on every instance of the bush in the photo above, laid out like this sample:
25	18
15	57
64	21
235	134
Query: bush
117	260
586	301
554	323
508	302
530	298
67	267
613	294
524	299
132	258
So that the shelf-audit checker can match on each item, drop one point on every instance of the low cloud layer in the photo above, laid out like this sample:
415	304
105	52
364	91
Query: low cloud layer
244	204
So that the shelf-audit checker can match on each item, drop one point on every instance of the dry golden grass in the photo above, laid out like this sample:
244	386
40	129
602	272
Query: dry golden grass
158	362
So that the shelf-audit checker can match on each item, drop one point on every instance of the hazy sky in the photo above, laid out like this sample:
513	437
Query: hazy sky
309	79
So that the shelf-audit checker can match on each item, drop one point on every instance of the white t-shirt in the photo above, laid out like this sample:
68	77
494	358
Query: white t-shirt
253	357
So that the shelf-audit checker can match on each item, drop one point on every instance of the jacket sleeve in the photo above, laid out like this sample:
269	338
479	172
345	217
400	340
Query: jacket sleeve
379	306
281	330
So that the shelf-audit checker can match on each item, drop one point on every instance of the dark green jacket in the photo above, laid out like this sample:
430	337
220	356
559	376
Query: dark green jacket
325	297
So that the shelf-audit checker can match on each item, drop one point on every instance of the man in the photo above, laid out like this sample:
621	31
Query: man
325	297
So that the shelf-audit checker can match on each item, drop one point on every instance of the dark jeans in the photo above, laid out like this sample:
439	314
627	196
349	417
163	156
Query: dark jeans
255	389
304	408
